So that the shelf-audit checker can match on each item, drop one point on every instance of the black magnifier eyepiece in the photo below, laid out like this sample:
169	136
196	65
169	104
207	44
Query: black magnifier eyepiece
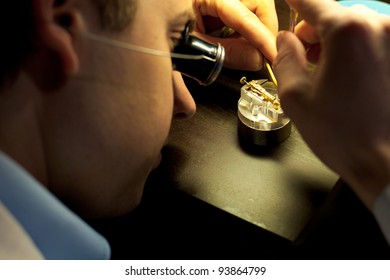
205	69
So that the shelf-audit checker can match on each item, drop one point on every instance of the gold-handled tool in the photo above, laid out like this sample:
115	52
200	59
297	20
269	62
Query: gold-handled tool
292	23
270	72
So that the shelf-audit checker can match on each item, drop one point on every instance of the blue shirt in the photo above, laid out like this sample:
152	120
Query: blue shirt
57	232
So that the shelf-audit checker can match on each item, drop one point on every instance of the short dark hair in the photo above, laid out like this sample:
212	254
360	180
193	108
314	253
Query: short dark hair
17	29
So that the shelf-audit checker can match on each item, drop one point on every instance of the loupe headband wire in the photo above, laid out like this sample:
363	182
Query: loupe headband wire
128	46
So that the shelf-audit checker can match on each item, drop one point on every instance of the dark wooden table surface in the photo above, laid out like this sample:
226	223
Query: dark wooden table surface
277	189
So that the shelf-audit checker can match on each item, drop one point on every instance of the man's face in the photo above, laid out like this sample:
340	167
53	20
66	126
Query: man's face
106	127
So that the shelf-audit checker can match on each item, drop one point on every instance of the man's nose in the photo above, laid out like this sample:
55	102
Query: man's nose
184	105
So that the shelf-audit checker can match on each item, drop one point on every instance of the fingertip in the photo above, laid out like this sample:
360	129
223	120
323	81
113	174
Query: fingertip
290	49
280	38
255	59
252	60
243	57
290	67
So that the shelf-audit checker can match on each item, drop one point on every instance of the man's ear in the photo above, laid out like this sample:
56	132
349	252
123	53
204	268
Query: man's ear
53	20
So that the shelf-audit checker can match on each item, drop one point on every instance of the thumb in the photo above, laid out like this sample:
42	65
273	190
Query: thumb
290	66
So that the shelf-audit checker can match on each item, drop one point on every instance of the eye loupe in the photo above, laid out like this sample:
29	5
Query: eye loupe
207	67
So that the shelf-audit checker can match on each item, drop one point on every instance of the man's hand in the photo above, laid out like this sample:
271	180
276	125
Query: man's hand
255	24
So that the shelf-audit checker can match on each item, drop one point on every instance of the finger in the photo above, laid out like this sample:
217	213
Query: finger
291	72
313	11
265	11
310	39
325	14
307	33
244	22
239	53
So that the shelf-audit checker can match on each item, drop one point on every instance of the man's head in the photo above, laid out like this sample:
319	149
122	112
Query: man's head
88	119
115	15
